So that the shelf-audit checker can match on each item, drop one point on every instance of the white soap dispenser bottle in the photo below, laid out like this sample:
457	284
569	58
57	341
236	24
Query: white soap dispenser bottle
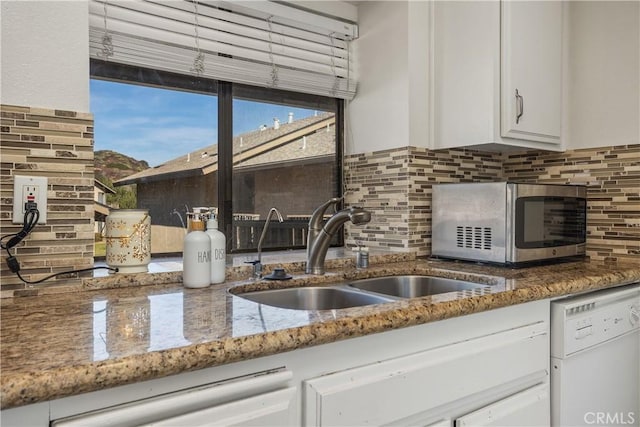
196	264
218	245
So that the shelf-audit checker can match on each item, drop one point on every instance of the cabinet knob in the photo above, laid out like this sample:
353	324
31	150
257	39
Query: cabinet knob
519	106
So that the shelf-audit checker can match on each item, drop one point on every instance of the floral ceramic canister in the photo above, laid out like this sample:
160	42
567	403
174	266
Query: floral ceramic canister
128	238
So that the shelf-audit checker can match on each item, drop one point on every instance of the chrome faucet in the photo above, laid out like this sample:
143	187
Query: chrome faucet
257	265
318	241
317	221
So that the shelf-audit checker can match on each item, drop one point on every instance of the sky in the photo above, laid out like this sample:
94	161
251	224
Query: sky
158	125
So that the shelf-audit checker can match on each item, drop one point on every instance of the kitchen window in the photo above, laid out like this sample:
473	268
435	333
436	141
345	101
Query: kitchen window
292	162
241	58
197	142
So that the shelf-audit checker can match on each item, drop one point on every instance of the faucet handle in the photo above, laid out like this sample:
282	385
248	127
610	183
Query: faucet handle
315	223
335	201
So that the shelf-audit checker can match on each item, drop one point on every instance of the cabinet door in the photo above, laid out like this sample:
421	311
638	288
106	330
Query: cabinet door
531	48
527	408
428	386
268	409
466	63
263	394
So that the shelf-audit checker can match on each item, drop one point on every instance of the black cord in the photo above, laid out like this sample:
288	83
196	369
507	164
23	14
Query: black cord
31	217
82	270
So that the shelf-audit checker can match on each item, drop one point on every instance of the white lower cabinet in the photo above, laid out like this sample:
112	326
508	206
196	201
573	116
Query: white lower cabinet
527	408
267	409
261	399
487	375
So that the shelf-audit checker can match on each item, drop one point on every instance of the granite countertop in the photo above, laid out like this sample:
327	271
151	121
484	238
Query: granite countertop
63	344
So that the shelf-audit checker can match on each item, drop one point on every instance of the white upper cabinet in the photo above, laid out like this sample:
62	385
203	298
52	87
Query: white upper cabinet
481	52
602	79
531	48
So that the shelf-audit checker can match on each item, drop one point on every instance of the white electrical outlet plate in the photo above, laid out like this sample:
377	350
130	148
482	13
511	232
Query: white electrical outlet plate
29	188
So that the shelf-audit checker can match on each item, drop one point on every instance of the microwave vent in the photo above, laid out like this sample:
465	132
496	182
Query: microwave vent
473	237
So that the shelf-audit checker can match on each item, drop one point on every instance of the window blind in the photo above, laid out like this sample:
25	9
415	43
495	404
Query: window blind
259	43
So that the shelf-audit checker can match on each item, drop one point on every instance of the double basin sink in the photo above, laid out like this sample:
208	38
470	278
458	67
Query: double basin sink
358	293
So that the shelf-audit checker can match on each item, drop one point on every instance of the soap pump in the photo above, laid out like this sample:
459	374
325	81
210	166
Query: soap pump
218	245
196	263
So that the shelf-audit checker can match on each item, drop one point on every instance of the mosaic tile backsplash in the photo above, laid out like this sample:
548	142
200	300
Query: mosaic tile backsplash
396	186
612	177
58	145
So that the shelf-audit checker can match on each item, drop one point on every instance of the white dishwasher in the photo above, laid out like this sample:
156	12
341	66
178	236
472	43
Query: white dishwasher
595	358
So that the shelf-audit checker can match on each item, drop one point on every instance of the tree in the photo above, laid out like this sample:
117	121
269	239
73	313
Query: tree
125	197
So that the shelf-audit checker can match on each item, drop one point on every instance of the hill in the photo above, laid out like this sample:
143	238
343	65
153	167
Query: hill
113	165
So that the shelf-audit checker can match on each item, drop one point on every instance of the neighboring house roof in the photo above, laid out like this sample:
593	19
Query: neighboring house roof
306	140
104	187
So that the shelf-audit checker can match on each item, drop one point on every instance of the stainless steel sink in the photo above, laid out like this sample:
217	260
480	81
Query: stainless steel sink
358	293
414	286
314	298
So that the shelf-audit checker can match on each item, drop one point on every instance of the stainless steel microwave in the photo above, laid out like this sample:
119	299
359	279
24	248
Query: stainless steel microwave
508	222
